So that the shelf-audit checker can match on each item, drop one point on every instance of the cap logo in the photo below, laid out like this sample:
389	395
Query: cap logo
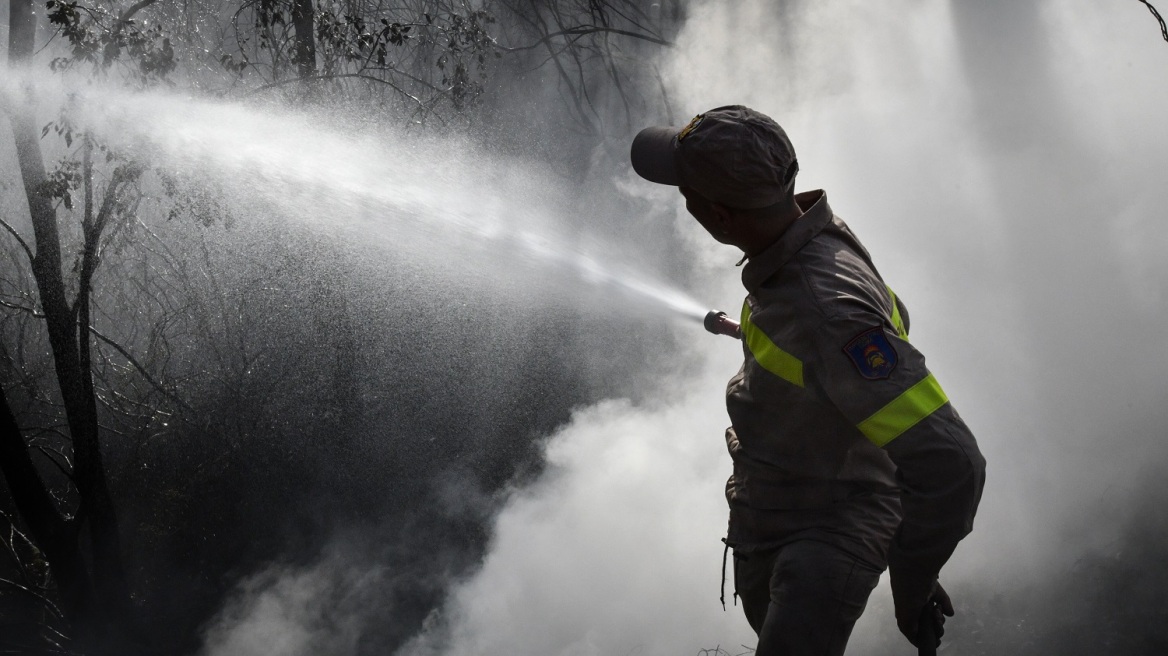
693	125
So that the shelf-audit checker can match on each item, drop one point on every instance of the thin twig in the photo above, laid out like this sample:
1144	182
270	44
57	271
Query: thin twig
40	597
15	306
359	76
133	9
1159	19
582	30
48	453
10	544
19	239
117	347
142	370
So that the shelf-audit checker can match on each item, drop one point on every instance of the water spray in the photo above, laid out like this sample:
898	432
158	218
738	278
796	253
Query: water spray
720	324
336	181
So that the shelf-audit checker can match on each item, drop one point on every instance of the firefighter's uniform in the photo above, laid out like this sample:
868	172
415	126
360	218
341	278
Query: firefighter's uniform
847	453
848	457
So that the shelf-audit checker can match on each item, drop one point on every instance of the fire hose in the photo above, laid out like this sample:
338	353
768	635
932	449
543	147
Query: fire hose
720	324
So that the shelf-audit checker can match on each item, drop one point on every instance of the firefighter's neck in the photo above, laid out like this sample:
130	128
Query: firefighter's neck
755	231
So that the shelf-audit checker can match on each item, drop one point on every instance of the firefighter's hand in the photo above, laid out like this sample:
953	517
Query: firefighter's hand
911	614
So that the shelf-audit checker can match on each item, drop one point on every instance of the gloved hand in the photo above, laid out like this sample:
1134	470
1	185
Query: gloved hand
918	601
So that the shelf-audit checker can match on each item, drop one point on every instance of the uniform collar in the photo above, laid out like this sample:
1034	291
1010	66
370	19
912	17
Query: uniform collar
816	215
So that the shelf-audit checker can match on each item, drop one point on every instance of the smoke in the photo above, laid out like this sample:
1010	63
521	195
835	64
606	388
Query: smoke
1004	163
595	556
613	550
288	612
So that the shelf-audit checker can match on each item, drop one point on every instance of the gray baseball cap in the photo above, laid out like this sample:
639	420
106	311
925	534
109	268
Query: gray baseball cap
732	155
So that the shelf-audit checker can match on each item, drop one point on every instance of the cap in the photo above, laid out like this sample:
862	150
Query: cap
732	155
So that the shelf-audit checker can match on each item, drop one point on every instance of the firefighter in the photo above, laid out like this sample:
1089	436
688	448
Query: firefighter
847	455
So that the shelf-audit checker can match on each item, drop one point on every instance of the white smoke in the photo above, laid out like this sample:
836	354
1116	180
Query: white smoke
285	612
1014	203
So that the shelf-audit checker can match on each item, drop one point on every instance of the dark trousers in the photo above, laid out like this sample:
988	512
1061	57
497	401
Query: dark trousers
803	598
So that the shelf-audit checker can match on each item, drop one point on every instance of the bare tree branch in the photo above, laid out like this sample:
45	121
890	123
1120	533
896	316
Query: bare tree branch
359	76
48	603
49	452
1159	19
22	308
117	347
582	30
141	370
129	13
19	239
10	544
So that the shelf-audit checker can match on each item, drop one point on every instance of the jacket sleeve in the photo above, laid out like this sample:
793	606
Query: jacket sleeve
881	385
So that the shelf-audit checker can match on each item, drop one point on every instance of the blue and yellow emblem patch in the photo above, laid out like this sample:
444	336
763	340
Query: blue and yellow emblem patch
693	125
872	353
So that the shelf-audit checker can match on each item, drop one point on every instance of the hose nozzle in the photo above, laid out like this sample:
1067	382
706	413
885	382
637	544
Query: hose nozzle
719	324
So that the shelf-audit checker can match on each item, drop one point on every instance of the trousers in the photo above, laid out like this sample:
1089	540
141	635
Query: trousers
803	598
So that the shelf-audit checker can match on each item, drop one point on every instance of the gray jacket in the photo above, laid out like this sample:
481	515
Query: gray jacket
840	433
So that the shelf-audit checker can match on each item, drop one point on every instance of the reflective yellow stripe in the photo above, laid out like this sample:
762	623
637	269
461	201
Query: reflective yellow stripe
772	358
904	412
896	320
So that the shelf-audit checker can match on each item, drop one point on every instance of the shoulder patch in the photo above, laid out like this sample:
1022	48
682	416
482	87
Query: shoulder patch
872	353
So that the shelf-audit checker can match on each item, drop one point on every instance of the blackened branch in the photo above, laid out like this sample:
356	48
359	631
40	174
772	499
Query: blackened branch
1159	19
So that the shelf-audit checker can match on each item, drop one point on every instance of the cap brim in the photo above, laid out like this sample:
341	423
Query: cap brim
652	155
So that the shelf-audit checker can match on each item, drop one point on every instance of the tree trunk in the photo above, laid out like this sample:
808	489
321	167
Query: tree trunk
304	53
68	339
54	535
